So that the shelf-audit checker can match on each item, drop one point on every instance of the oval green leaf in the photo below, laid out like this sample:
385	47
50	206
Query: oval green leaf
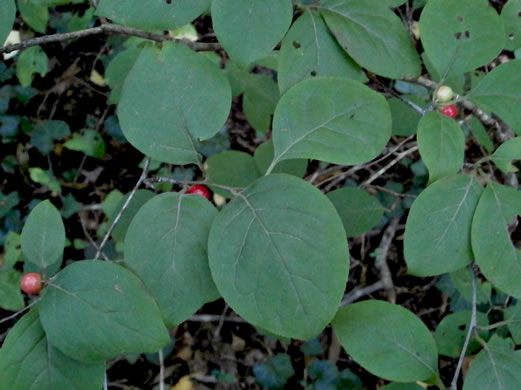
437	232
442	145
510	14
138	200
387	340
507	153
496	367
460	36
359	211
97	292
249	29
279	257
260	98
496	255
152	15
232	169
166	245
373	35
117	71
7	18
498	92
336	120
310	50
43	235
28	362
163	109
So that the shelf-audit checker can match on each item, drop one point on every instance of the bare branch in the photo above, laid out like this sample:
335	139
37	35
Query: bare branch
470	330
123	208
106	29
19	312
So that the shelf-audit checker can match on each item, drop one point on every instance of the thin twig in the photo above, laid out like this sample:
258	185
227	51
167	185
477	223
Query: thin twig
106	29
89	237
470	330
381	258
390	165
19	312
214	318
105	382
123	208
161	371
358	293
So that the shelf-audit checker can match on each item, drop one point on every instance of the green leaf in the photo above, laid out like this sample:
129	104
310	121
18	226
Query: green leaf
506	153
118	70
437	233
497	257
98	292
46	132
442	145
405	118
481	135
395	3
359	211
279	257
43	235
462	280
7	18
452	330
373	35
510	16
89	142
260	98
32	60
402	386
152	15
163	107
249	29
513	314
34	14
45	178
275	372
498	92
264	155
137	201
166	245
497	366
8	202
335	120
11	297
387	340
232	169
460	36
28	361
310	50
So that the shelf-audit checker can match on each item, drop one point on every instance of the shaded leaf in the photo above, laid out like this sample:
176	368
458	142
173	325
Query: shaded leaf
152	15
442	145
43	235
402	350
46	132
373	35
508	152
172	258
98	292
335	120
499	92
28	361
496	255
11	297
278	256
7	18
241	26
437	233
264	156
275	372
260	98
32	60
163	110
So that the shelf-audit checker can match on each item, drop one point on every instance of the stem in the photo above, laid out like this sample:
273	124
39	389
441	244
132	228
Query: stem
161	371
123	208
470	330
390	165
19	312
105	29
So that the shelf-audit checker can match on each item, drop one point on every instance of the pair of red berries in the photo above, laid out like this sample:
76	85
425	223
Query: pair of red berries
445	94
199	189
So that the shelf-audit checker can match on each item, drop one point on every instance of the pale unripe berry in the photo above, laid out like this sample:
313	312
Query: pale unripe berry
444	94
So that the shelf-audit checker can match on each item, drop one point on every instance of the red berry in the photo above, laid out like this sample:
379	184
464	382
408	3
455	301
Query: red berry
451	110
31	283
199	189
